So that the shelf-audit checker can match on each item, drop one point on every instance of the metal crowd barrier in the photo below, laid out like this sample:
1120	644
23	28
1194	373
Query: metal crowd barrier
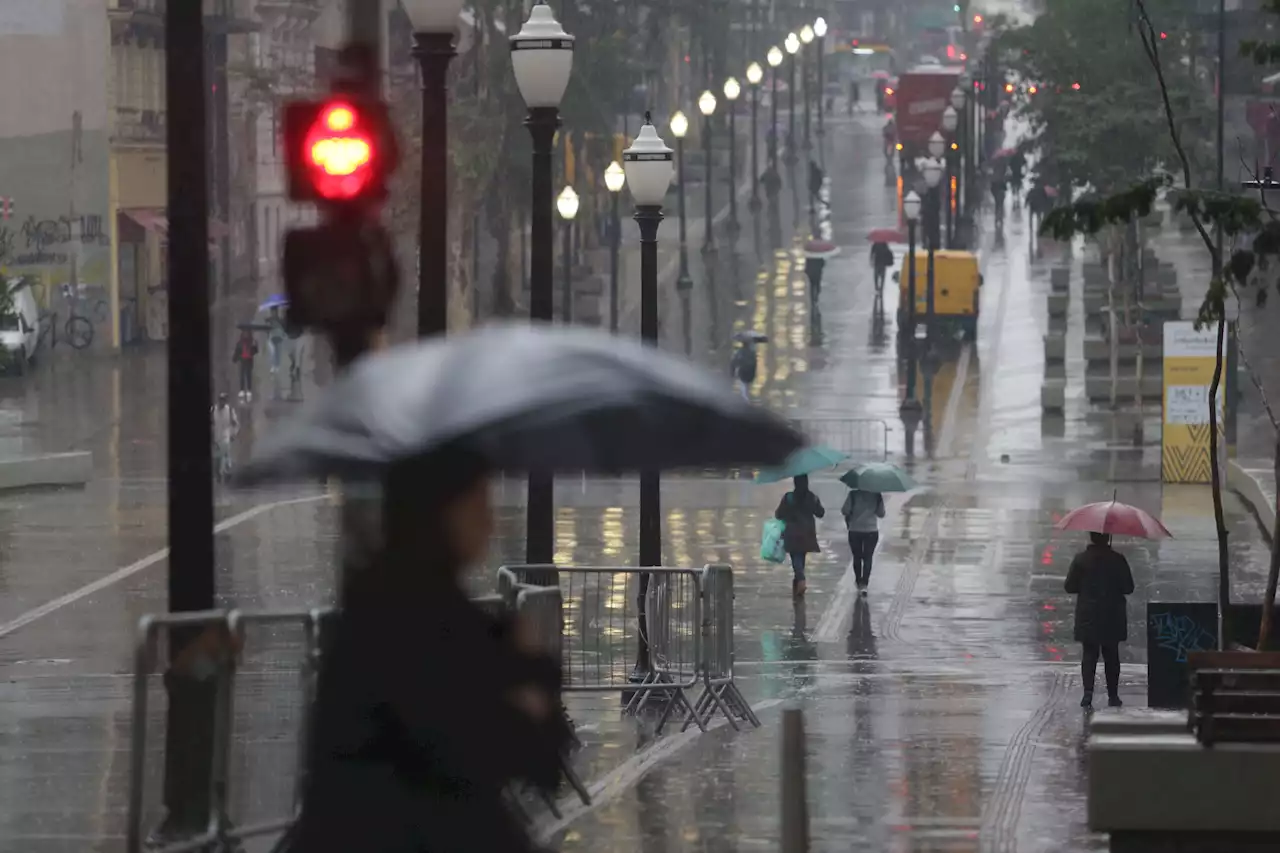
216	652
688	629
863	439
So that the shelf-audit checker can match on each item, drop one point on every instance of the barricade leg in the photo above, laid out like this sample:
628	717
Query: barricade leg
679	698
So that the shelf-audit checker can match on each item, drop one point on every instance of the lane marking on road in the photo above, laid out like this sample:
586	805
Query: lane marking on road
625	776
145	563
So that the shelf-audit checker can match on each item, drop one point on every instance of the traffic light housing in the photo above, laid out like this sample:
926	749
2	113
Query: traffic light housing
339	151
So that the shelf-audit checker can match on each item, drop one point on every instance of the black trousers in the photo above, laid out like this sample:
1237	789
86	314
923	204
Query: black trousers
863	545
1110	653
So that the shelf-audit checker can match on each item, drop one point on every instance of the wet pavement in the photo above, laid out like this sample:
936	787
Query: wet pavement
941	708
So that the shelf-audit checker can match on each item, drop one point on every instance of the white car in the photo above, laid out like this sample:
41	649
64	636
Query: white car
20	327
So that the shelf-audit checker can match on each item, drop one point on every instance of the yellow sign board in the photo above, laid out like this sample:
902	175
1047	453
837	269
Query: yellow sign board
1189	357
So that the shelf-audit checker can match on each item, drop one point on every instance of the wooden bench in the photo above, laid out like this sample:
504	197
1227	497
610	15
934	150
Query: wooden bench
1235	697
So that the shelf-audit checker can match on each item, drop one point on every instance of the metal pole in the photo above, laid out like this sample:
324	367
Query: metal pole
822	93
615	244
795	800
932	226
188	764
808	97
733	166
648	218
791	108
755	153
1222	85
683	283
773	109
950	230
566	286
433	52
540	533
708	233
910	312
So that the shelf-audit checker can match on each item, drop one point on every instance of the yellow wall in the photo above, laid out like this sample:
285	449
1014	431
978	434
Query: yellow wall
143	182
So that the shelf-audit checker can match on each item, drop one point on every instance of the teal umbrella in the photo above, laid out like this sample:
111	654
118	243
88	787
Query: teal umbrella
806	460
878	477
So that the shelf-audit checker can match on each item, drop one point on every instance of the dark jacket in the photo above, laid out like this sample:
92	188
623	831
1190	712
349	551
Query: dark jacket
881	255
1100	579
414	737
800	513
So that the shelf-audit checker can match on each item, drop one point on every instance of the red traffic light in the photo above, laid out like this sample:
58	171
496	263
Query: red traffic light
338	150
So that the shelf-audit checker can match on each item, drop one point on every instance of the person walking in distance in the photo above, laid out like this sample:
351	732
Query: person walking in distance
1100	579
799	510
862	511
743	367
881	260
225	426
245	352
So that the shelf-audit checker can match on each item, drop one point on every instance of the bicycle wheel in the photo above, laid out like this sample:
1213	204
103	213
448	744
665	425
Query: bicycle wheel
79	331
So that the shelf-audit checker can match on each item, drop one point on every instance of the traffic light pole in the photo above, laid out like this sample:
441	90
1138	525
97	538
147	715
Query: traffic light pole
188	758
542	123
434	52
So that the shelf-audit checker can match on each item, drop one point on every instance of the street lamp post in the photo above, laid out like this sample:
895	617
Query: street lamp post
434	23
754	75
944	151
707	106
732	90
774	58
910	410
961	141
792	45
679	127
820	30
806	39
542	58
648	171
932	177
615	177
567	205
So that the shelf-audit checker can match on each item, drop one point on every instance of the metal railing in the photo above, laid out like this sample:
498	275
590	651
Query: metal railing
216	654
863	439
686	630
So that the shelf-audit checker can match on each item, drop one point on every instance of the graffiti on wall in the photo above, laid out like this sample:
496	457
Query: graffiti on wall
42	242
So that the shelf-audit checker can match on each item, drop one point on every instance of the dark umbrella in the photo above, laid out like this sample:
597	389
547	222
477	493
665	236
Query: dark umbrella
524	398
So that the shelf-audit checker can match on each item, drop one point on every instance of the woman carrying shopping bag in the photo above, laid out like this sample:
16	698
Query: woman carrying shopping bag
800	510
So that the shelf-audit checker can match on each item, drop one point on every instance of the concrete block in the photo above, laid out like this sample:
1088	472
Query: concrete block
1098	349
1137	721
1094	274
1097	387
1060	278
1250	486
1055	347
1225	789
1053	395
1057	303
56	469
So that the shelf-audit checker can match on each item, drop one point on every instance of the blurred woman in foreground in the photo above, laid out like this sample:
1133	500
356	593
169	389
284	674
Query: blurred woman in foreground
427	708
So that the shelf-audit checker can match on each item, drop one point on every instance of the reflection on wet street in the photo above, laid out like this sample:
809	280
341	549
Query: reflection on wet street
941	707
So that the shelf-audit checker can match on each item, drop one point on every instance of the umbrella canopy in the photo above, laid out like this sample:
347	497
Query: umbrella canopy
821	249
1004	152
751	336
1115	518
804	461
524	398
878	477
276	301
886	235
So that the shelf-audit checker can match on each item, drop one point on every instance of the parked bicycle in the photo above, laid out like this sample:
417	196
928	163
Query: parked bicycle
79	328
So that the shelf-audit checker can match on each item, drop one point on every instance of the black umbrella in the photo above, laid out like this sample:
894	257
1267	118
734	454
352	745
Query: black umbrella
524	398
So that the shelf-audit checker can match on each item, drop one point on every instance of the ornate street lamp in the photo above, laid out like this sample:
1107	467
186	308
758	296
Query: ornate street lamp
792	46
648	171
707	106
958	103
774	58
434	22
932	177
911	409
615	178
732	90
542	58
949	121
820	30
806	39
755	74
679	127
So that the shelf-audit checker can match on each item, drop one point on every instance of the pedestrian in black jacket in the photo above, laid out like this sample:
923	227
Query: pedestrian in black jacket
799	509
1100	579
427	708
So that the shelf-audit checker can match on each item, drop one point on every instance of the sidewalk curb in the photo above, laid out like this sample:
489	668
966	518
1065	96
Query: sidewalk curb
1252	492
52	469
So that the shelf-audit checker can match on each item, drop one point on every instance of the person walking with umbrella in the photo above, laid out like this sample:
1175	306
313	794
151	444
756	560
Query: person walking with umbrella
881	261
1100	578
864	507
800	510
745	360
394	764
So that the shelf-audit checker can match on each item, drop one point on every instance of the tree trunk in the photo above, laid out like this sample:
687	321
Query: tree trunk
1215	476
1273	573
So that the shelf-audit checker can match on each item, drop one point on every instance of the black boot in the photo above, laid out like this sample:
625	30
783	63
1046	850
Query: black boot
1086	701
1113	700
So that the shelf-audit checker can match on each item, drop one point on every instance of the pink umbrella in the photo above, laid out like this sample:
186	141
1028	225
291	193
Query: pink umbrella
886	235
1114	517
1004	152
821	249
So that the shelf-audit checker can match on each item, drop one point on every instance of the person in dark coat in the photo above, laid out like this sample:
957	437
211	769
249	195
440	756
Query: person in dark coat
427	708
1100	579
800	509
